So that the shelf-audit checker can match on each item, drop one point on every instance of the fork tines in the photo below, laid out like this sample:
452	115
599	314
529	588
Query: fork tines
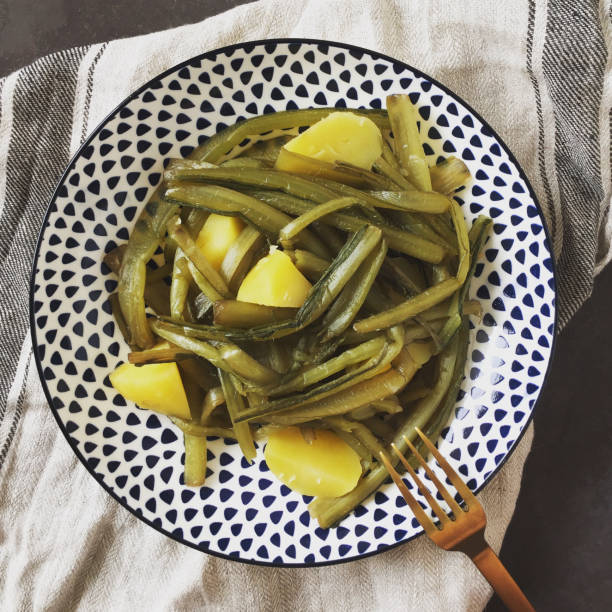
414	505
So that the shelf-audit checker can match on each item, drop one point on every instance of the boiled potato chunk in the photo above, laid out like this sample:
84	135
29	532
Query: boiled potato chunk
274	281
342	137
327	466
155	386
216	236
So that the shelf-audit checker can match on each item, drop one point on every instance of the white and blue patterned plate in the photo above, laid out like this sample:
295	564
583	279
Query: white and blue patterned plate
243	512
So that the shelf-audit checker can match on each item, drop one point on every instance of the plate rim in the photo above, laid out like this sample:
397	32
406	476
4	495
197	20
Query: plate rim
208	55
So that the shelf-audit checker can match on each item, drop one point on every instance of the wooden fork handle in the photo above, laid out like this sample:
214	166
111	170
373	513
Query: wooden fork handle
502	582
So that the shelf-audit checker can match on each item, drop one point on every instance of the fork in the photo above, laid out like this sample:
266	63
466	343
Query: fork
464	530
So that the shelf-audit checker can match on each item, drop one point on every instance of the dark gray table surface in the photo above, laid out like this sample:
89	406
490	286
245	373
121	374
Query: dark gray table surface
559	544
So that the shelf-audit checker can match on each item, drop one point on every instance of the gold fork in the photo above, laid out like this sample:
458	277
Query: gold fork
465	530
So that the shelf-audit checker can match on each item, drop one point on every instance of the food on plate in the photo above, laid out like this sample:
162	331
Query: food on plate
313	463
339	137
274	281
316	296
157	387
217	236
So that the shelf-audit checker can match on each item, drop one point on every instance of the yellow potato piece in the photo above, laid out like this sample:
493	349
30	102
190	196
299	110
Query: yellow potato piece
155	386
326	467
216	236
339	137
274	281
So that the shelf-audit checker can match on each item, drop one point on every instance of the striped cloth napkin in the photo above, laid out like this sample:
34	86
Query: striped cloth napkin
539	72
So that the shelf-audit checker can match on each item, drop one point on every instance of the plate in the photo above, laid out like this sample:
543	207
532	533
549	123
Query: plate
243	512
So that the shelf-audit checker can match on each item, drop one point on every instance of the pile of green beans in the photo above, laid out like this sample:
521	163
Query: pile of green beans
379	344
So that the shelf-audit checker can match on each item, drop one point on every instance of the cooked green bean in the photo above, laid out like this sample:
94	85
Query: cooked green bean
222	142
295	163
200	371
158	355
363	433
420	225
191	172
215	332
179	286
159	274
279	356
328	511
409	308
247	368
389	405
331	236
202	431
113	258
231	313
169	249
414	393
477	237
389	156
441	225
392	172
379	429
225	356
327	288
344	401
414	201
319	372
463	241
404	272
195	219
266	150
440	311
364	454
224	201
235	406
304	220
383	199
193	391
366	370
203	349
308	263
360	431
144	240
406	140
363	412
440	417
157	297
